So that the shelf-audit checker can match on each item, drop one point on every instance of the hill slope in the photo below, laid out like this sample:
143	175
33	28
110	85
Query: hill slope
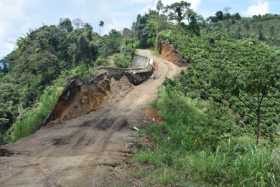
88	150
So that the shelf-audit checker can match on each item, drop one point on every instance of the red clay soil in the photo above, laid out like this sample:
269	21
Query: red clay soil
153	115
169	53
81	98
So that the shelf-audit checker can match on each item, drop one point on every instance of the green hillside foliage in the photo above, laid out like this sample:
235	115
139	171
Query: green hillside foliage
210	134
263	28
31	119
199	144
220	116
240	74
32	75
221	119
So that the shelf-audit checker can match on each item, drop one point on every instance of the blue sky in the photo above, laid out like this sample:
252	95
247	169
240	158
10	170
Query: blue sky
17	17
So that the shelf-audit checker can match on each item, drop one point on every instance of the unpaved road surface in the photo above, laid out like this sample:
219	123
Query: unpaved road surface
86	151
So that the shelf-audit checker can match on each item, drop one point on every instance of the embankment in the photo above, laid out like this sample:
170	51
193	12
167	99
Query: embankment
81	97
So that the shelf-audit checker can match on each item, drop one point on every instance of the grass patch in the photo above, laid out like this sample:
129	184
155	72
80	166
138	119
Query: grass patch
30	119
199	144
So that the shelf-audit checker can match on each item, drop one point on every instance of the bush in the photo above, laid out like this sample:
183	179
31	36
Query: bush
31	118
121	60
101	61
255	167
198	144
202	122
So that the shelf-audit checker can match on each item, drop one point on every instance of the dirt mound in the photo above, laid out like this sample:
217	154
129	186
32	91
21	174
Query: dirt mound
82	97
79	98
169	53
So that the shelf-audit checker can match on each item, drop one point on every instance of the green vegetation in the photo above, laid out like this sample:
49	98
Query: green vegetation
199	144
33	76
263	28
221	115
31	119
240	74
121	60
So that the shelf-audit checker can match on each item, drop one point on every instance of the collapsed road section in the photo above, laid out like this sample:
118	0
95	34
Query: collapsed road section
92	149
82	97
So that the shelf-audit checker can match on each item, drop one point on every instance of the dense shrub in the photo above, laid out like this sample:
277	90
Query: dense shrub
40	61
200	145
122	60
31	119
206	127
208	134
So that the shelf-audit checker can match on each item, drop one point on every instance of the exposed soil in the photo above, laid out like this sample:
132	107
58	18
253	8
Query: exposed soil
86	150
153	115
169	52
82	97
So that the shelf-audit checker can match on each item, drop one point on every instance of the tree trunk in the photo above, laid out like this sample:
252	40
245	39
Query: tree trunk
258	128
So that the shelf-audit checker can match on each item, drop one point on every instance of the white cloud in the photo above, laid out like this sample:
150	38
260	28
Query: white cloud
260	8
11	17
194	3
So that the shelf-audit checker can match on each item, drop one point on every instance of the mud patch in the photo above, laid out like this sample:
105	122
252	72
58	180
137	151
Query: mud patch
104	124
116	124
89	123
153	115
169	53
6	153
59	141
120	124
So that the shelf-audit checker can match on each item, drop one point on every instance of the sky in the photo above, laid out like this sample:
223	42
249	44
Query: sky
17	17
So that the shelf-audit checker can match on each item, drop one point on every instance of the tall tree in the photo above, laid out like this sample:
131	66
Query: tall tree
272	31
157	23
247	27
220	15
255	85
193	23
179	11
66	25
142	31
160	6
101	25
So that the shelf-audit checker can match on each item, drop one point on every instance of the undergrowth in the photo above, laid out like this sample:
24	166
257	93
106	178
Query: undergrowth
198	144
31	119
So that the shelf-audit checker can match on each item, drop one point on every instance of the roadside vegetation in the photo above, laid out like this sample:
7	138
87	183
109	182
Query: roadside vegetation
199	144
33	75
220	117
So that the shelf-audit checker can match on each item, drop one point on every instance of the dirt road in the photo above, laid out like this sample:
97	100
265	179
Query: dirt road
86	151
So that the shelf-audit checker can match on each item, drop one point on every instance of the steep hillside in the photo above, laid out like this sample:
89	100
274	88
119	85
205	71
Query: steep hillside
219	121
91	149
34	74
